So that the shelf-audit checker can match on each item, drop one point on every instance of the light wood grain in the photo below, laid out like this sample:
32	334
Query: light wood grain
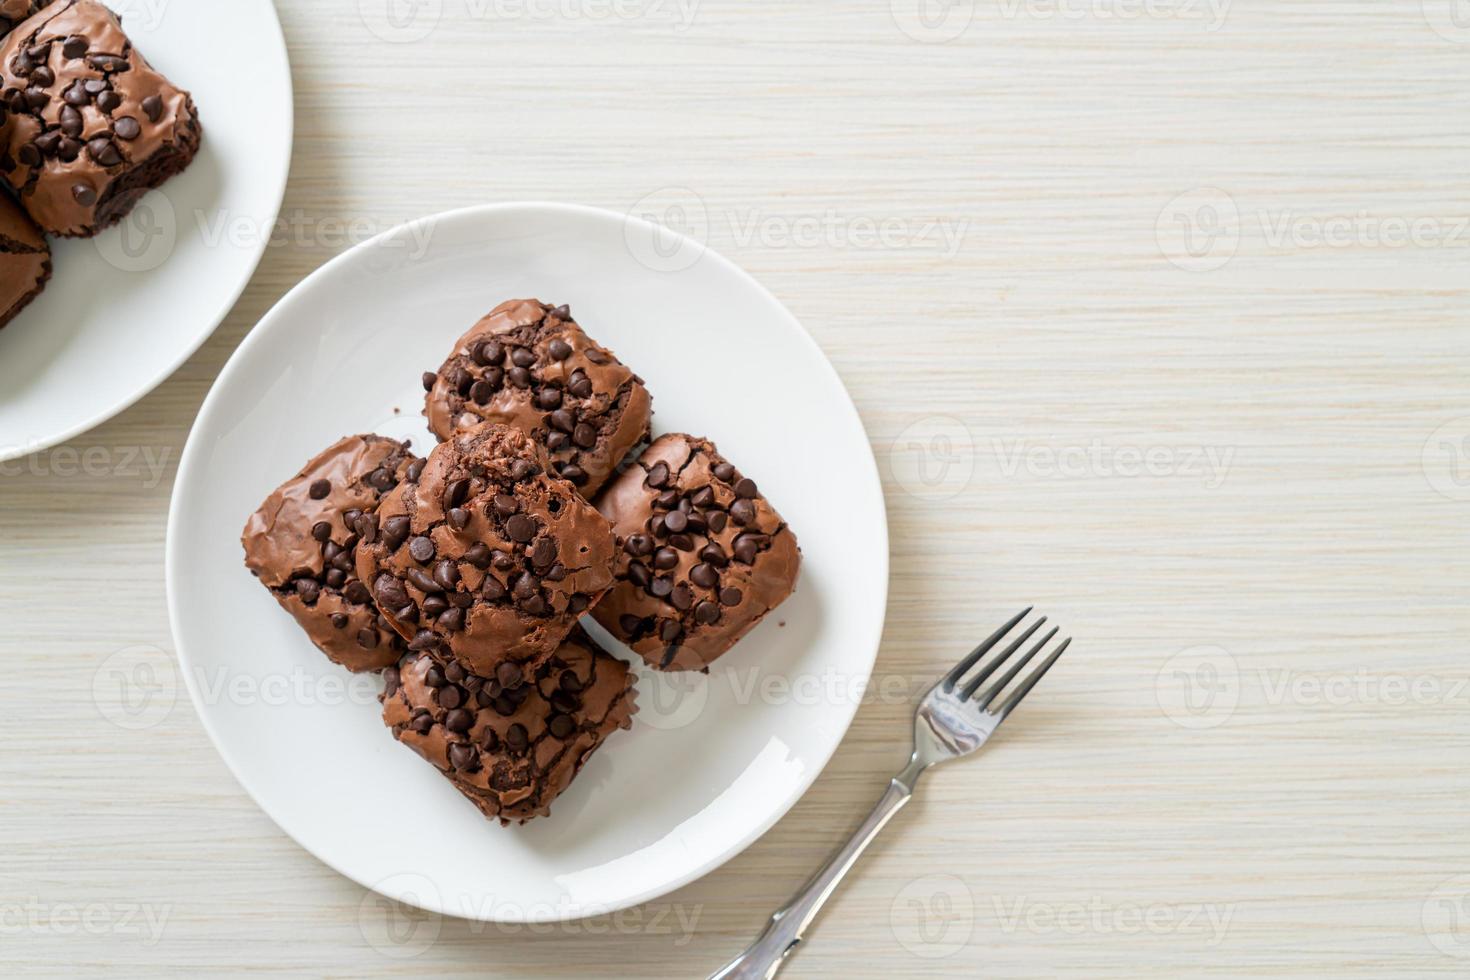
1319	825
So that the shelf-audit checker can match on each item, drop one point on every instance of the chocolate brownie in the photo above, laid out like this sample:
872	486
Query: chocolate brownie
533	367
488	558
12	12
87	127
301	545
702	556
513	751
25	260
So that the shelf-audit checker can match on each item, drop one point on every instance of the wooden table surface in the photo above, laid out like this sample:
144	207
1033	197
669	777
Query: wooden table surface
1156	313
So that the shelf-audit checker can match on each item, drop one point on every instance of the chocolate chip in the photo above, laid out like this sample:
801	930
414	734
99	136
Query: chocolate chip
153	108
557	440
489	741
578	604
580	385
657	476
446	575
423	723
421	549
457	492
422	581
43	77
526	586
319	489
517	738
667	500
746	549
584	435
488	353
597	355
434	605
450	697
638	545
704	576
523	469
481	392
367	639
543	553
107	62
706	612
74	47
535	606
676	521
390	592
562	312
459	720
682	598
570	682
639	574
548	398
76	95
458	518
430	379
451	620
395	530
415	470
724	471
665	559
423	640
522	358
519	377
357	593
71	121
308	589
102	151
670	631
108	101
68	150
520	528
95	86
714	554
561	726
630	625
37	98
508	674
559	349
126	128
661	587
478	556
463	757
702	497
321	531
742	512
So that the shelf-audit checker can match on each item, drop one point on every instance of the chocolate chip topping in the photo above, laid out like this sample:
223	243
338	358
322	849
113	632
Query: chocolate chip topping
510	750
302	545
88	125
584	407
702	555
488	558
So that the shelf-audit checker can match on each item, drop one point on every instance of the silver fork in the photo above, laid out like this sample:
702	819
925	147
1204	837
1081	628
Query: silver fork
948	724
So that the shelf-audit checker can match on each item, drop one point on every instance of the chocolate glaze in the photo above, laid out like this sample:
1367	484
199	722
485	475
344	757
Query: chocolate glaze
280	549
511	755
88	125
668	637
25	260
507	600
606	396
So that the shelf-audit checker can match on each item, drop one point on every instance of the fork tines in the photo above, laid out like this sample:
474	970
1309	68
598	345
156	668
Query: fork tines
989	694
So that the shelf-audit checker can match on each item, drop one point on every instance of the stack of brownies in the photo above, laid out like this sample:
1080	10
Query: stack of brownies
462	577
87	128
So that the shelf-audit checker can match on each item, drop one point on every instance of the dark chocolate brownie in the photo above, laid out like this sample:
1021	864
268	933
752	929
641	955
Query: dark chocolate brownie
25	260
12	12
488	558
531	366
301	545
512	751
87	127
702	556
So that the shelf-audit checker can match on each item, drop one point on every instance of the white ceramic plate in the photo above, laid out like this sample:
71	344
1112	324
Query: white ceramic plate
124	310
713	761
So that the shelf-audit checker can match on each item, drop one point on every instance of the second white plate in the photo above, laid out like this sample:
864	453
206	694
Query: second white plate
713	761
125	309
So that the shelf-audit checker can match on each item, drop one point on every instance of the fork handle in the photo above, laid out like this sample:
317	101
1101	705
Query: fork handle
783	934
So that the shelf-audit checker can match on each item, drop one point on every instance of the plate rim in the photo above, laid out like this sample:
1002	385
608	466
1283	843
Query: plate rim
173	562
247	274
